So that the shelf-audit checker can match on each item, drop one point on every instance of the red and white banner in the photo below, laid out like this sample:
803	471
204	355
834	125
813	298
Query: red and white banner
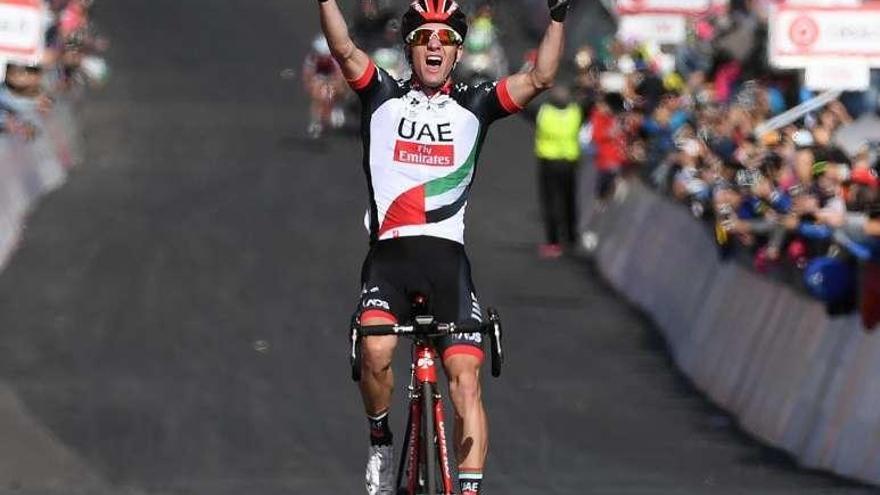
22	30
803	35
681	7
659	28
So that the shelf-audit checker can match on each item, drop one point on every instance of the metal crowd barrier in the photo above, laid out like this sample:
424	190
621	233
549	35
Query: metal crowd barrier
793	376
30	169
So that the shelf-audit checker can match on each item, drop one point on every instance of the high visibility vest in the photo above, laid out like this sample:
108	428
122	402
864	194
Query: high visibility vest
556	133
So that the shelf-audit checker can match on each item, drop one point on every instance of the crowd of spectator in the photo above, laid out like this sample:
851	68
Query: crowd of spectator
71	61
789	200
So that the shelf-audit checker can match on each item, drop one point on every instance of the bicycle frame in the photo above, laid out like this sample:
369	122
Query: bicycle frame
424	397
425	436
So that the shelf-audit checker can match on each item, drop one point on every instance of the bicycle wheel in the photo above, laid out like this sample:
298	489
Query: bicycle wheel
412	457
401	466
444	475
428	431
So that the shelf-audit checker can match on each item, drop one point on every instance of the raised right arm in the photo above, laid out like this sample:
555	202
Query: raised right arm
353	61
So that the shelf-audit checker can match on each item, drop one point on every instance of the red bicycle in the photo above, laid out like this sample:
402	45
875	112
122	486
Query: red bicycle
425	464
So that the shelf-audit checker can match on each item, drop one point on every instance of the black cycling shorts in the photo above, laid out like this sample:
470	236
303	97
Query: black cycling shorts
436	267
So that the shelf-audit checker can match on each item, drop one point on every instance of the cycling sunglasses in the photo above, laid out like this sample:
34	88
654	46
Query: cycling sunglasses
422	36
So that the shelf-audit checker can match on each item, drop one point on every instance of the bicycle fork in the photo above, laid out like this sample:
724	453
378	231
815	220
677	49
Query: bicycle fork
425	416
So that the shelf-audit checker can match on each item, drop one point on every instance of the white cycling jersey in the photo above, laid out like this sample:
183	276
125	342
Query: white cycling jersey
420	152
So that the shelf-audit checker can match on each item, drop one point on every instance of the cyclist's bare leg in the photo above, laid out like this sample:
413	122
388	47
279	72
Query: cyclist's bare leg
471	426
315	123
376	384
315	110
377	377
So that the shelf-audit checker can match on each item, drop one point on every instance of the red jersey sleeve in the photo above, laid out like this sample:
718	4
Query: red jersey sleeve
365	79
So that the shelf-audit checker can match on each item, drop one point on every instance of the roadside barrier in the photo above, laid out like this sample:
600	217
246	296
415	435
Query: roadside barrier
791	375
30	169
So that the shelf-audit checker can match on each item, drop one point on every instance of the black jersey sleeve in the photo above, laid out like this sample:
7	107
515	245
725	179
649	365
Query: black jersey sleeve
489	101
374	87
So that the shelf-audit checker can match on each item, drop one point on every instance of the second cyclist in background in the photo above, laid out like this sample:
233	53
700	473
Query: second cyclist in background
326	88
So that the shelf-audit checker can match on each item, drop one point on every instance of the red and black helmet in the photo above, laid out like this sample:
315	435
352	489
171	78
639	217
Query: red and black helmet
422	12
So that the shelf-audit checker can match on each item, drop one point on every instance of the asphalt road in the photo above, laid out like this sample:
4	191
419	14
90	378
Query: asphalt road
174	321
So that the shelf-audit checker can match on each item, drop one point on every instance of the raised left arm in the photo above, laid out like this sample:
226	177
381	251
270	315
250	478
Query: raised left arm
524	86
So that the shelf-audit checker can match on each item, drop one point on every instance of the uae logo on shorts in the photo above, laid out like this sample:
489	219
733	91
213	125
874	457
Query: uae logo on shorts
434	155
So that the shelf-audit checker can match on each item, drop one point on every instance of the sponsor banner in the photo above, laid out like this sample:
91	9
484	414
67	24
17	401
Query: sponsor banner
838	74
659	28
824	3
434	155
686	7
22	30
803	35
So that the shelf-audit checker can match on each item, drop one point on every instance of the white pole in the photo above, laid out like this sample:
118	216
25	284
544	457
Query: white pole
792	114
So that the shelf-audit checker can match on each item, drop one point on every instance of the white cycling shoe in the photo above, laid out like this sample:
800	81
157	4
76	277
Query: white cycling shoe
380	470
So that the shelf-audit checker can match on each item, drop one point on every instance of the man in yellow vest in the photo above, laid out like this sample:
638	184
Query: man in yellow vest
558	151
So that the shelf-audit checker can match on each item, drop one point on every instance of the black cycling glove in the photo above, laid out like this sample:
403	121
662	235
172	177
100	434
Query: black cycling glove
558	9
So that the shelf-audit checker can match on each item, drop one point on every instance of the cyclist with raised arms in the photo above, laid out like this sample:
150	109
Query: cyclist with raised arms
421	139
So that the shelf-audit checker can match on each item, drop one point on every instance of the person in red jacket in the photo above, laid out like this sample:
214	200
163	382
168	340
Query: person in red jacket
609	143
